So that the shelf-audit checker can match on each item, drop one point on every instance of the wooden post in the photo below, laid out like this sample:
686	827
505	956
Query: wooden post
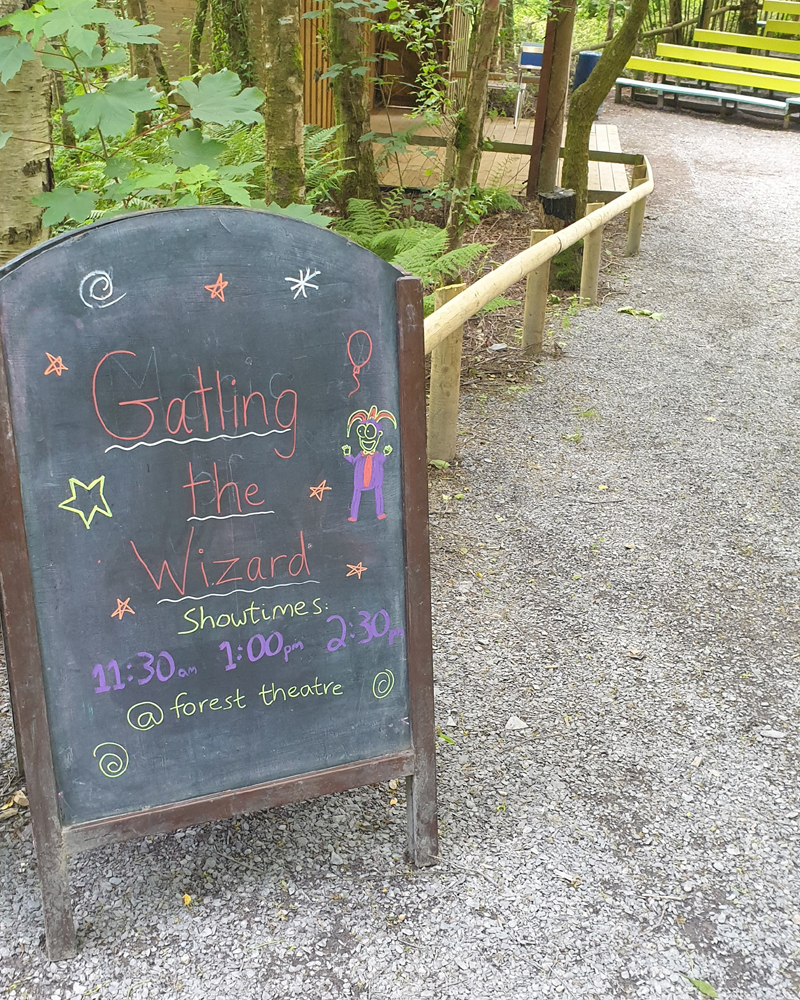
536	290
541	102
636	214
445	385
592	252
423	828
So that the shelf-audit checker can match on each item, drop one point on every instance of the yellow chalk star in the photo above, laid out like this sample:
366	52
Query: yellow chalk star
317	491
98	508
356	570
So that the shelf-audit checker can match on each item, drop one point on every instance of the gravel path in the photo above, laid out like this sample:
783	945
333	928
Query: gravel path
621	573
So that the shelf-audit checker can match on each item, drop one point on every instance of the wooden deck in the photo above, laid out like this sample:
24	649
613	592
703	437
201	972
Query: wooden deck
415	169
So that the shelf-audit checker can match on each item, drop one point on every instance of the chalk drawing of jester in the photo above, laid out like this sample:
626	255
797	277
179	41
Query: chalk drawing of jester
368	471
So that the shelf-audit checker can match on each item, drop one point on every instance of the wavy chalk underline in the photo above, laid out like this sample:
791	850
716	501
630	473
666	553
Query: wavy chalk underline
202	597
224	517
219	437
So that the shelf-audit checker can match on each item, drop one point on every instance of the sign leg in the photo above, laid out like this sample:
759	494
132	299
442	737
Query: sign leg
423	832
59	923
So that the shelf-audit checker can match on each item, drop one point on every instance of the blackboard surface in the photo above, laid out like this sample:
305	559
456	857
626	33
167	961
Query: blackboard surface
206	421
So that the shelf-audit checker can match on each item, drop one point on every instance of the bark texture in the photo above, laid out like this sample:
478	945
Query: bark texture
196	39
351	103
231	46
588	98
748	18
282	83
557	95
469	125
25	167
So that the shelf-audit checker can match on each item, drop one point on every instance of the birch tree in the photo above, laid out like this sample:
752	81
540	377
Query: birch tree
25	159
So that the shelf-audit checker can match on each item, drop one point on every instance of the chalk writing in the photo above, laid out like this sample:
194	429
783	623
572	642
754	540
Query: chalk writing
252	615
217	289
300	284
186	709
56	366
71	503
356	570
112	763
358	365
302	691
382	684
144	716
369	624
96	289
163	670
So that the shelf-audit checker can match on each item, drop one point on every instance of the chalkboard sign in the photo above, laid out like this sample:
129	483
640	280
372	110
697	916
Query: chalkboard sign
215	579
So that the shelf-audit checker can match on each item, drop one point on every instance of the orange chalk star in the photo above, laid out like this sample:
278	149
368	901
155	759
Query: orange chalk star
317	491
122	608
217	289
56	365
356	570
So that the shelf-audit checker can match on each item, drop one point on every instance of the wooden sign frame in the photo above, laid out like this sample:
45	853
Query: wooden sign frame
55	841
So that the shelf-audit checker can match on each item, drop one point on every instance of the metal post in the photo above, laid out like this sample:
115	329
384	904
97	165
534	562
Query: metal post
592	252
536	290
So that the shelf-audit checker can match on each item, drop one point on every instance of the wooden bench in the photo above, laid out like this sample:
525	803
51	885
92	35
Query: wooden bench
759	42
737	76
739	60
783	24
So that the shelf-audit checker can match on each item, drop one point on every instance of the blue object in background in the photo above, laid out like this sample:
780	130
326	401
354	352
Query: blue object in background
530	58
586	63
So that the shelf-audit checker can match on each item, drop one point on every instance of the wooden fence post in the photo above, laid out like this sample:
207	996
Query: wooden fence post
445	385
536	289
636	214
592	252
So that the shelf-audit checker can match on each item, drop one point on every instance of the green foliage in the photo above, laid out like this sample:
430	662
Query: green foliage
219	98
416	247
111	110
65	203
13	53
702	986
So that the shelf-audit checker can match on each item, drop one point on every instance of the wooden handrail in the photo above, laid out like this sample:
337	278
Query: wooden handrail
453	314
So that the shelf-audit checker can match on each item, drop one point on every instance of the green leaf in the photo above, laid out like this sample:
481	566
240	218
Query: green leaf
128	32
702	986
26	21
70	17
119	167
190	148
65	203
218	98
97	58
4	137
13	53
438	463
237	193
112	109
305	213
310	15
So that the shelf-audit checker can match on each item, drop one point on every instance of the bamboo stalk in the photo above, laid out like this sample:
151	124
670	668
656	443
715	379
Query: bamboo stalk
453	314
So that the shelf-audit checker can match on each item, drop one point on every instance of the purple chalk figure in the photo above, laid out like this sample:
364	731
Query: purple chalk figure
368	466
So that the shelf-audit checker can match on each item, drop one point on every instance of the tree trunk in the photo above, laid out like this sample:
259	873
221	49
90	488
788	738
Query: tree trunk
588	98
230	39
469	121
557	95
675	17
283	105
352	95
196	40
140	64
748	18
25	167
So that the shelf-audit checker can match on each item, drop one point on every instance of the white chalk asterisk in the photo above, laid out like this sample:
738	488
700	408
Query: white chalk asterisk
303	282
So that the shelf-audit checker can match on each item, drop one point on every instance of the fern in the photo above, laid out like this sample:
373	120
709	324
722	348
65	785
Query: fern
364	221
496	304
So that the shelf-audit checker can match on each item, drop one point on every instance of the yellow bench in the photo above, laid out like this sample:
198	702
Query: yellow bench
708	37
739	60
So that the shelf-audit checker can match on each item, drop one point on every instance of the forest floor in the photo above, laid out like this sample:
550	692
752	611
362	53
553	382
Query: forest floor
616	565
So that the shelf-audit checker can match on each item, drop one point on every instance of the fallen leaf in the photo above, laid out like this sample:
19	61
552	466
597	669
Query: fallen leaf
187	899
392	802
602	487
702	986
20	798
711	420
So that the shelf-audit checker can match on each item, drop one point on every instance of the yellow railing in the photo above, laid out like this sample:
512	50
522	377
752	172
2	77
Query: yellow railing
457	303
